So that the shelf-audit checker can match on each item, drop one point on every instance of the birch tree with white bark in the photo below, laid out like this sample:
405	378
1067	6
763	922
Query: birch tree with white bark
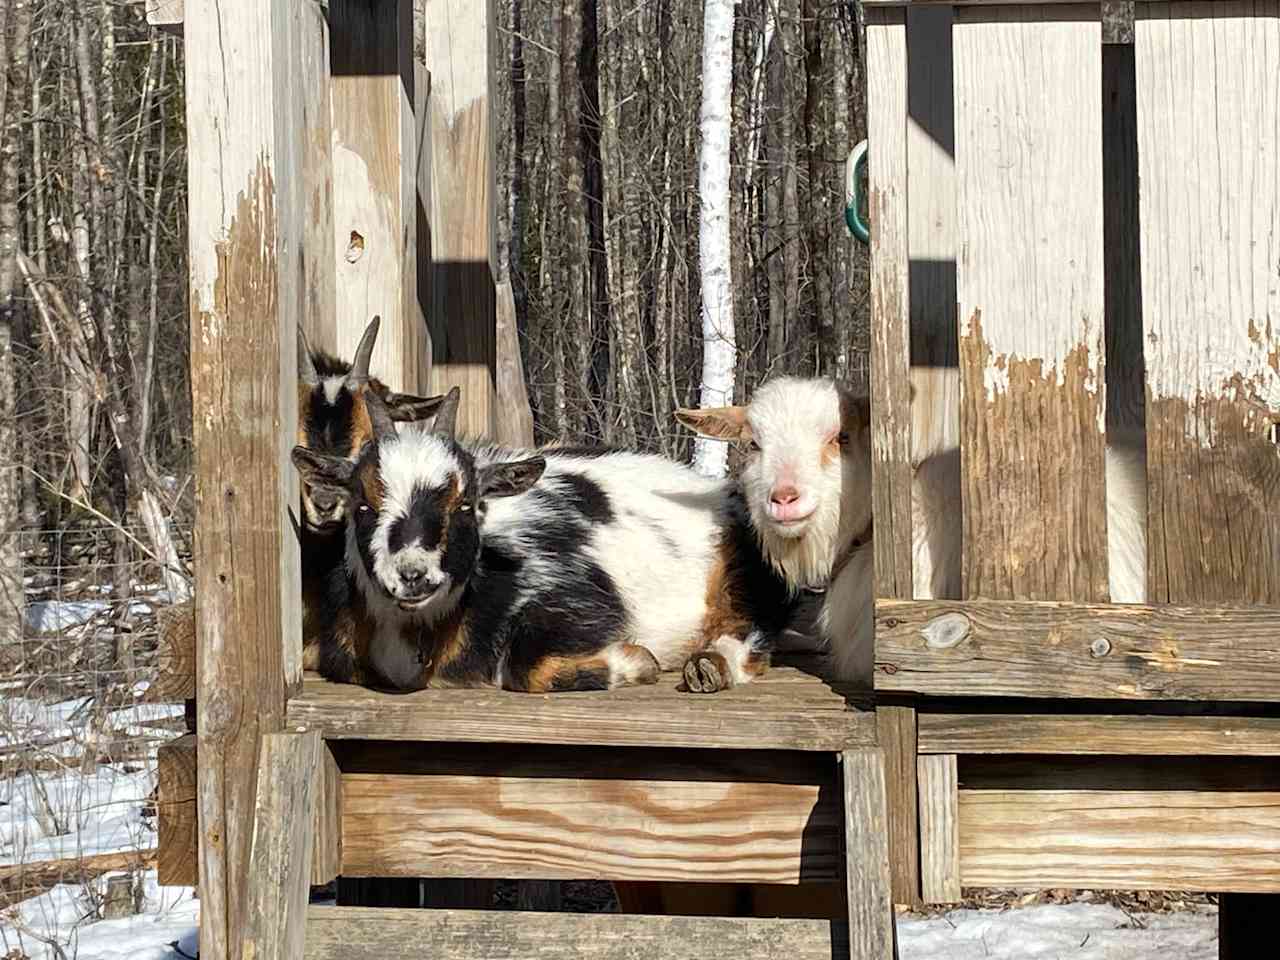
719	349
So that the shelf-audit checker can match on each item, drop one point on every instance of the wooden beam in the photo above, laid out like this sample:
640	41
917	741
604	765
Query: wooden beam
566	812
866	856
319	267
177	825
175	677
463	216
786	710
993	648
939	829
1121	839
374	157
166	15
280	863
1030	291
896	732
245	230
326	857
351	933
514	417
999	733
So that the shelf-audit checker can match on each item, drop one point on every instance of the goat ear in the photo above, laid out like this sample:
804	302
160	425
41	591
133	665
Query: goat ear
719	423
508	479
323	471
406	408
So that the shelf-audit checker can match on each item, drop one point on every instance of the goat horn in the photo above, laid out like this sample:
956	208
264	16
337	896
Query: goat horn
446	420
364	352
306	366
379	415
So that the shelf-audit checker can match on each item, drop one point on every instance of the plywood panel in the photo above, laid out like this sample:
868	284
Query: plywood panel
1030	290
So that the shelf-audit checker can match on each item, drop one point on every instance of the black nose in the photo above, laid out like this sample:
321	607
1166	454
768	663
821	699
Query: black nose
412	576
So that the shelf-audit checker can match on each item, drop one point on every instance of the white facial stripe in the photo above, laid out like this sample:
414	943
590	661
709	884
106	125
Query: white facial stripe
332	387
414	460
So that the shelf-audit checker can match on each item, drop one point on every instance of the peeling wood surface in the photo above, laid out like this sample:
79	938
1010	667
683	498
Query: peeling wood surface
374	198
1209	137
866	849
1030	291
1089	651
786	710
939	829
177	826
460	307
244	239
1005	733
353	933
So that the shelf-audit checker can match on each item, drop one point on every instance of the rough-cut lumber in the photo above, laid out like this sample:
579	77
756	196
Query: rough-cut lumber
245	231
280	862
890	384
347	933
896	733
320	316
1208	80
786	710
166	15
866	861
514	417
1121	839
326	813
175	678
463	216
177	822
564	812
996	648
1098	735
374	193
939	829
1030	291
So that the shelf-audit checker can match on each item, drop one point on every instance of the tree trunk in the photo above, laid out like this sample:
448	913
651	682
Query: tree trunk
719	355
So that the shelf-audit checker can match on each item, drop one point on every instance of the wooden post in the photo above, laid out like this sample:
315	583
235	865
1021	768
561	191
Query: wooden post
244	235
374	157
319	262
462	215
1208	80
872	934
176	818
939	828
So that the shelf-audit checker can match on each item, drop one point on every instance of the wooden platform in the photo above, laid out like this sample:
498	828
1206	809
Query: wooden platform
790	709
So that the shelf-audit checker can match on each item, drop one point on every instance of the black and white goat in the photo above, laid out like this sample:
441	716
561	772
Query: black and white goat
807	483
561	569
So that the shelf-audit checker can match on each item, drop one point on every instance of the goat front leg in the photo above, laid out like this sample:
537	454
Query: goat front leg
729	660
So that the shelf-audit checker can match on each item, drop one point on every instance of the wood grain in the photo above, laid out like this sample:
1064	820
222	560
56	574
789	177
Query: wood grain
1030	291
573	812
939	829
896	733
326	820
351	933
244	236
374	198
514	418
177	825
866	862
786	710
175	675
997	733
319	265
463	216
1121	839
1090	651
890	317
283	840
1208	128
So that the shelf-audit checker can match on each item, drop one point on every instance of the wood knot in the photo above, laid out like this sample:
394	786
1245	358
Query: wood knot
946	631
1100	647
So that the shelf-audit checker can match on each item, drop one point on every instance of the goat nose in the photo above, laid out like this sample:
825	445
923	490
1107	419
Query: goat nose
412	576
784	495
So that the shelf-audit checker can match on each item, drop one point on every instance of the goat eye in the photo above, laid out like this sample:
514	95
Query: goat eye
753	446
365	509
465	508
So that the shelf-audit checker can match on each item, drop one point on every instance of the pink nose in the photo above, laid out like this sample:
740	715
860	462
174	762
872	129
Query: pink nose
784	496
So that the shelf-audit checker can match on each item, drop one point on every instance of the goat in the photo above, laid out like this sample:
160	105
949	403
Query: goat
811	508
559	569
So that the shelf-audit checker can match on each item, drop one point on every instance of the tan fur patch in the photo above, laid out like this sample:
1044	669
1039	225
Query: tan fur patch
725	610
560	673
449	640
370	481
361	424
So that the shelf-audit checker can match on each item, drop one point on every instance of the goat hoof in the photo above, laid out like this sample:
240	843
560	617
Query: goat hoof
706	673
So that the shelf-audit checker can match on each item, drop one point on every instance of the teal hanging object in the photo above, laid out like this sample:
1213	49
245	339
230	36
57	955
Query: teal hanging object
854	199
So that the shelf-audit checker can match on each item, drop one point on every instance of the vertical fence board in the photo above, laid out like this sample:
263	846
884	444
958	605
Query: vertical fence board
374	165
1030	290
245	230
319	279
939	828
1209	151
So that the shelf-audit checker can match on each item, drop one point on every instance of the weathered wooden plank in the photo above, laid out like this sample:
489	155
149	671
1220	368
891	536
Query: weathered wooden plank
175	676
787	710
244	235
565	812
1030	291
319	266
280	862
866	861
993	648
1121	839
896	732
346	933
939	829
177	826
463	216
374	194
514	418
1099	735
167	15
890	310
326	812
1209	129
970	3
